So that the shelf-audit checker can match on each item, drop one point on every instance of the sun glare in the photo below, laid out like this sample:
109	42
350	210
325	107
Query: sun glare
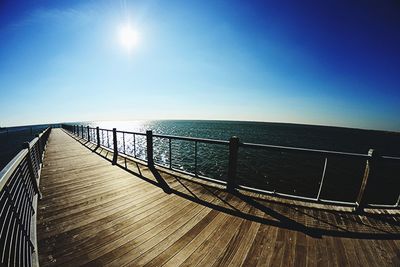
128	37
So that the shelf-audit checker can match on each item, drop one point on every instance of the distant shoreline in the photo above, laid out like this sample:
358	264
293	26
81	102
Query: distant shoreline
207	120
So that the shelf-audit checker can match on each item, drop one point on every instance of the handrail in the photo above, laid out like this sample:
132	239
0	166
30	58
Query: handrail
137	133
19	192
390	158
183	138
234	145
319	152
9	169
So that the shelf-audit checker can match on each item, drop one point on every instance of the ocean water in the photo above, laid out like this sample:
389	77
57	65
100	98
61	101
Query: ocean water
285	172
12	139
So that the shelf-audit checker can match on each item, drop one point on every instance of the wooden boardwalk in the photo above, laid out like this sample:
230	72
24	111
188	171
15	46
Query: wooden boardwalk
95	214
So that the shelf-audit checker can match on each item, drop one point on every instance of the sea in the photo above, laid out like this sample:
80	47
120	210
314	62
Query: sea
285	172
13	138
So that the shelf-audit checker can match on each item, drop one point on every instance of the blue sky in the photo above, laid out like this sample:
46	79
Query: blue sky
314	62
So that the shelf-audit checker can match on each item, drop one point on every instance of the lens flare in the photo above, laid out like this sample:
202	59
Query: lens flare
128	37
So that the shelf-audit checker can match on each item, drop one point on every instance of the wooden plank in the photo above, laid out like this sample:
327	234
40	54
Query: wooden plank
259	246
311	256
278	252
199	253
186	250
221	243
243	245
159	255
301	249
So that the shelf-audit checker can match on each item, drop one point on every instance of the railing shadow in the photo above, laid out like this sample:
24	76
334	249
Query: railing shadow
161	182
308	220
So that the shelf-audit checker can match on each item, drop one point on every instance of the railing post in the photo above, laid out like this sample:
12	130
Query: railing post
170	152
77	130
149	139
115	141
232	166
88	135
369	169
195	158
322	179
32	170
98	136
82	131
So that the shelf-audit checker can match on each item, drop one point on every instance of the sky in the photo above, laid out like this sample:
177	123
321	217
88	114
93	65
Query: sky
314	62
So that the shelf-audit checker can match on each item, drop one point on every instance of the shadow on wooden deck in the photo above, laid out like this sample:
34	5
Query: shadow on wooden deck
312	221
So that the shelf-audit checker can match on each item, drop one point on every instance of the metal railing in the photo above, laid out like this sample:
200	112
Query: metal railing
118	141
19	191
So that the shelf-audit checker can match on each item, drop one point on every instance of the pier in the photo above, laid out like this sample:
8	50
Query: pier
99	208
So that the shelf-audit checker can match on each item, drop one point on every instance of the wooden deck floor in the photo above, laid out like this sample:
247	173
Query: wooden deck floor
94	214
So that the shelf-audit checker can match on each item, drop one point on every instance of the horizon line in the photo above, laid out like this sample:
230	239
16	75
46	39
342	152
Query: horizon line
218	120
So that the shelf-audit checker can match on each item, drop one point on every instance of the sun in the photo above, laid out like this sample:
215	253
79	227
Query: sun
128	37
